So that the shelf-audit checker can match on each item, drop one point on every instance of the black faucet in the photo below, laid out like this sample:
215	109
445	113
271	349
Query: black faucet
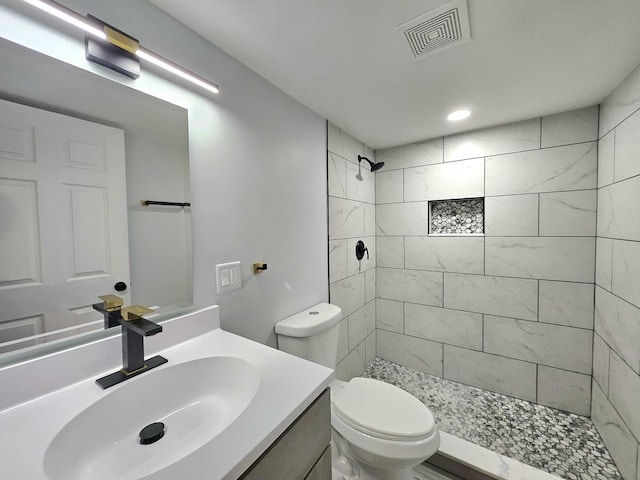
134	329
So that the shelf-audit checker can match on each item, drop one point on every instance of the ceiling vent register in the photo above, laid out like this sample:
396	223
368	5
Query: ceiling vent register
436	31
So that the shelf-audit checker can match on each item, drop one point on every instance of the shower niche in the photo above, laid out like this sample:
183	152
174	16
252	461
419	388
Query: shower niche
461	216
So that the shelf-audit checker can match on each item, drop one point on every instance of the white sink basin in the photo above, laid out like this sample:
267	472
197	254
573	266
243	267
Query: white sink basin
196	400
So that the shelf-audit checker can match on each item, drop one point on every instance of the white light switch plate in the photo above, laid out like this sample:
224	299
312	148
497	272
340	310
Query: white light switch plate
228	277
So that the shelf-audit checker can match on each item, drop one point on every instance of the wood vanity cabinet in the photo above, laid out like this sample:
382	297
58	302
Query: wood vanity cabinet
302	452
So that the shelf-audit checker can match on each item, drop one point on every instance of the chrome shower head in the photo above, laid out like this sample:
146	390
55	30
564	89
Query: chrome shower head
374	166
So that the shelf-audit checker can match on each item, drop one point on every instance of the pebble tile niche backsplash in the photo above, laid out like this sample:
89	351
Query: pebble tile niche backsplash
464	216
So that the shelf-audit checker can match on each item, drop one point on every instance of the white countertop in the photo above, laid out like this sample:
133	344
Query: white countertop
288	385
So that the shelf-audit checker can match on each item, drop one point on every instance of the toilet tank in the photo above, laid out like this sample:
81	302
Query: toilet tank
312	334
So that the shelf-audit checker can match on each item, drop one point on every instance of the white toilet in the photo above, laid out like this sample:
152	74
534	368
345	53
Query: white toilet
379	431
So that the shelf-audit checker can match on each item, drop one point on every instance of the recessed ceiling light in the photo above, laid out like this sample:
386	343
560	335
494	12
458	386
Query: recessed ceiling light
458	115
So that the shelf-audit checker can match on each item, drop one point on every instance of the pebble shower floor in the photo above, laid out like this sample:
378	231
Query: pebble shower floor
557	442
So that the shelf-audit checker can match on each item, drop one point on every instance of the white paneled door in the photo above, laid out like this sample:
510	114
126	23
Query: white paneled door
63	219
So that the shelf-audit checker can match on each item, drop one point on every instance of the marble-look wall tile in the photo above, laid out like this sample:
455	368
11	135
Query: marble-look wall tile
337	172
348	294
565	128
624	393
402	219
571	167
564	390
617	437
352	213
343	339
566	303
621	103
422	355
369	285
605	222
515	137
369	220
618	323
452	327
552	345
343	144
337	260
605	159
445	181
361	184
446	254
625	281
617	210
550	258
601	363
412	155
410	286
389	315
389	187
513	297
361	323
353	264
346	218
498	374
390	251
604	262
568	213
511	215
370	348
353	365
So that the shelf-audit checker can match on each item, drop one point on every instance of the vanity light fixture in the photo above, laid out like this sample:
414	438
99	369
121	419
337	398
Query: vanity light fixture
458	115
116	38
69	16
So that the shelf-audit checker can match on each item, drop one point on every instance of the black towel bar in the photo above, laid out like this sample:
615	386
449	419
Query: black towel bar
146	203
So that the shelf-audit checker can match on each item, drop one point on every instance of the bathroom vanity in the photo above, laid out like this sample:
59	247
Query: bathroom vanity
232	408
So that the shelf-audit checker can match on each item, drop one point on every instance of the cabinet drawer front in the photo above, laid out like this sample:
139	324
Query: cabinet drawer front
296	451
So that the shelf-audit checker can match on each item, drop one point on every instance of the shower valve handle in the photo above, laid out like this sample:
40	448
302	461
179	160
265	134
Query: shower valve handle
361	249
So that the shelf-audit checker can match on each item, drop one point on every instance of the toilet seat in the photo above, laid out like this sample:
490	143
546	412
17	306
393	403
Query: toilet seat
383	411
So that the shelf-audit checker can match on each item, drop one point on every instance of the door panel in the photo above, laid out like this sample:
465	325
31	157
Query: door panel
63	223
19	233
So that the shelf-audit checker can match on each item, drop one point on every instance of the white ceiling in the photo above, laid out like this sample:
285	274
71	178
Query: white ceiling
343	59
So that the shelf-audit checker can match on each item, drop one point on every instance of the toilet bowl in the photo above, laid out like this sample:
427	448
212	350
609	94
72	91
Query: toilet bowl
379	431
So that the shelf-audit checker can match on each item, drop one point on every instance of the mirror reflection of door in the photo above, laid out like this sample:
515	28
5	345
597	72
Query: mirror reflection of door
63	221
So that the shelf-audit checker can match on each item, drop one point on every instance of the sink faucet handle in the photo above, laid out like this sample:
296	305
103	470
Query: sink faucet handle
111	302
134	312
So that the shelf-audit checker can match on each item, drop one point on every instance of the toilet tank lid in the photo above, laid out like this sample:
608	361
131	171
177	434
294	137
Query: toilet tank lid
311	321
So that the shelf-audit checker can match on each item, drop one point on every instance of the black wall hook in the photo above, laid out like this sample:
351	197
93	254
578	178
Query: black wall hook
361	249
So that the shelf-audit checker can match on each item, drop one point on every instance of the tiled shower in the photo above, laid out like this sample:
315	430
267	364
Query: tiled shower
510	311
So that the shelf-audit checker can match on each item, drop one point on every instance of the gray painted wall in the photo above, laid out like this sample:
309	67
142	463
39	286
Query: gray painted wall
257	162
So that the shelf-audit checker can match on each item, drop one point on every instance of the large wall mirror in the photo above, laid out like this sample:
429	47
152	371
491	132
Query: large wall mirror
78	153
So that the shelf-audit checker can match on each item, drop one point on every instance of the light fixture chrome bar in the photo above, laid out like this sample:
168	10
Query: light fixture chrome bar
66	14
